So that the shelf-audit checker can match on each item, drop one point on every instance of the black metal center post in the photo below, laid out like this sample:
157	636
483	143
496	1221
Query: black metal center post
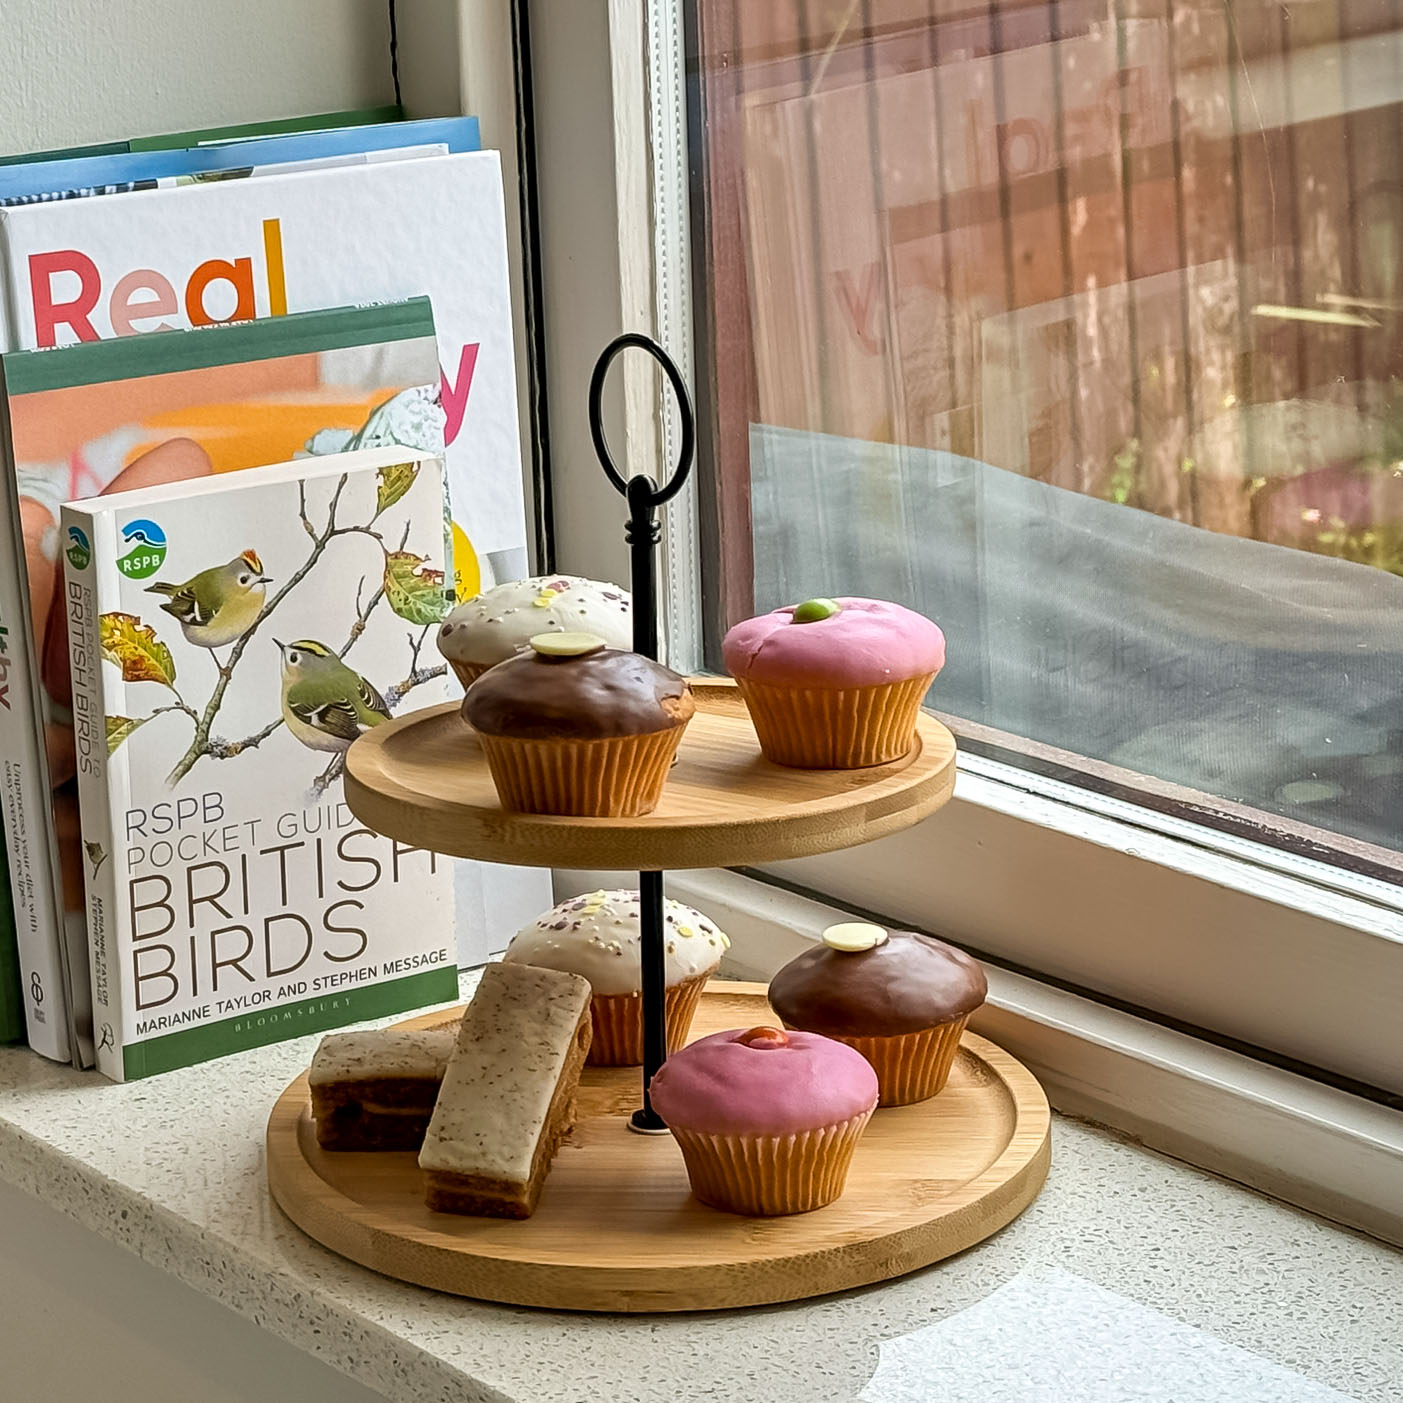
643	535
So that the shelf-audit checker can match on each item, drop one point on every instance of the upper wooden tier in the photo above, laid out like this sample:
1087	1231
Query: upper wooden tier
422	779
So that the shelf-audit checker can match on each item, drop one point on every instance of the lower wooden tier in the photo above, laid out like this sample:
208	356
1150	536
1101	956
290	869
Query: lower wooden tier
618	1229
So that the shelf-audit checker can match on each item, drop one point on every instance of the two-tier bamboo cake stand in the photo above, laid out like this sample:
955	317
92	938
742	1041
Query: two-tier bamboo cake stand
617	1228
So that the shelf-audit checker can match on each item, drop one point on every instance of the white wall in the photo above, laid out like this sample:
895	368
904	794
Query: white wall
79	71
81	1318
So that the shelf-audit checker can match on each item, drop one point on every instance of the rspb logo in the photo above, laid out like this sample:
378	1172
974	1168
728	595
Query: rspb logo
78	551
145	548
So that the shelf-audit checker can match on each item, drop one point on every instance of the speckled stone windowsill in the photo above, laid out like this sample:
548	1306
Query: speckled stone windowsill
173	1169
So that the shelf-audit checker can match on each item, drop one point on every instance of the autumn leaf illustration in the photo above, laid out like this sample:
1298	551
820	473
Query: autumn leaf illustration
392	483
120	727
134	647
414	590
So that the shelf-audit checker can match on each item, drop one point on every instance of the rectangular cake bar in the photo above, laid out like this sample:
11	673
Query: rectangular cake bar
508	1096
375	1090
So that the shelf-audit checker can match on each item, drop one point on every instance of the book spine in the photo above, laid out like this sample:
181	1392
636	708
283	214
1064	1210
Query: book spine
83	604
11	999
12	1025
8	292
24	794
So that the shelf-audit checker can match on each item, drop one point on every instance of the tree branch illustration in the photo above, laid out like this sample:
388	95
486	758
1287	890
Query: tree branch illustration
363	615
200	742
224	750
329	776
179	704
417	675
413	589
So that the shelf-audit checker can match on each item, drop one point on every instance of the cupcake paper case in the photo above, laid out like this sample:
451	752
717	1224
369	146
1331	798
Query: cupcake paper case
767	1120
901	1000
835	683
598	936
498	623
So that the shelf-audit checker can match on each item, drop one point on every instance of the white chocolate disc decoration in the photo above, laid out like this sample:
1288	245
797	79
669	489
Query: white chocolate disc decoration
566	645
852	937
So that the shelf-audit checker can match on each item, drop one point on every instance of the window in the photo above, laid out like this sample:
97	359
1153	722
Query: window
1074	324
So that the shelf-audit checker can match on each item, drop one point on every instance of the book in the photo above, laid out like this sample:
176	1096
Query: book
118	172
109	415
277	126
230	636
242	131
241	172
79	271
102	416
11	999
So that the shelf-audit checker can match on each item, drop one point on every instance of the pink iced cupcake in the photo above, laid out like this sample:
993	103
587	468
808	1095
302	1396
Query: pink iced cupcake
767	1120
835	684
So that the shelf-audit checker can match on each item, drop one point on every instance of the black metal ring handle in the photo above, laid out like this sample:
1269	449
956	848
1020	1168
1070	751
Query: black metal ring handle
674	484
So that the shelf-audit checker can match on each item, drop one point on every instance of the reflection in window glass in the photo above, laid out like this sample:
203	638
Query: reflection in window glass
1076	325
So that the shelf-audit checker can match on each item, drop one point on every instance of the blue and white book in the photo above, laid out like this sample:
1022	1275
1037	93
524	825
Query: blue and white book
73	177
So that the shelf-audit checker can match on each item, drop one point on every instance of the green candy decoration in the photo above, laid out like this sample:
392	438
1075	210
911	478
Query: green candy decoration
812	610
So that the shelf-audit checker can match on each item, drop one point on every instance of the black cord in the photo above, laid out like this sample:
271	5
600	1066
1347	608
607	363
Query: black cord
538	390
394	54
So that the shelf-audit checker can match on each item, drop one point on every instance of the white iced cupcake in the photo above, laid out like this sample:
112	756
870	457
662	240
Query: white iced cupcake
494	625
597	935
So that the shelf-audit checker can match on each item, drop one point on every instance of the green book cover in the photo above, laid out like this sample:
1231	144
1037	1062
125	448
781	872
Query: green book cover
66	153
175	141
282	126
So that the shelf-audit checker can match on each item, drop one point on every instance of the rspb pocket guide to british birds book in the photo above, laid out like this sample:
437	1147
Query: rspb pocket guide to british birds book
111	415
230	637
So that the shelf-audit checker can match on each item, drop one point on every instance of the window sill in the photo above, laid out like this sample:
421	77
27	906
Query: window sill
1266	957
1299	1141
186	1191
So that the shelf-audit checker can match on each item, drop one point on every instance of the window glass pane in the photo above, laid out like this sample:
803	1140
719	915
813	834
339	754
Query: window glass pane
1076	325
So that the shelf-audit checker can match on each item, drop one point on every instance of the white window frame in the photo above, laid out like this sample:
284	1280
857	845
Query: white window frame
1221	934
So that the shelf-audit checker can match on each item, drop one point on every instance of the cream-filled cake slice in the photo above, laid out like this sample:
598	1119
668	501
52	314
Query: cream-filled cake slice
508	1096
375	1089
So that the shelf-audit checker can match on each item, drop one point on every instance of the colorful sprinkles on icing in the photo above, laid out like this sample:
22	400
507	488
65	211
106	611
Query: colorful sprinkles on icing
493	625
597	935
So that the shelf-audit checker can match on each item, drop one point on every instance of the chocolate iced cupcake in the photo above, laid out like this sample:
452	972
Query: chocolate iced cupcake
574	727
900	999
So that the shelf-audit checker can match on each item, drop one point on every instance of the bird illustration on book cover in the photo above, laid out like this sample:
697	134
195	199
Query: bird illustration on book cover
219	605
322	691
325	704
